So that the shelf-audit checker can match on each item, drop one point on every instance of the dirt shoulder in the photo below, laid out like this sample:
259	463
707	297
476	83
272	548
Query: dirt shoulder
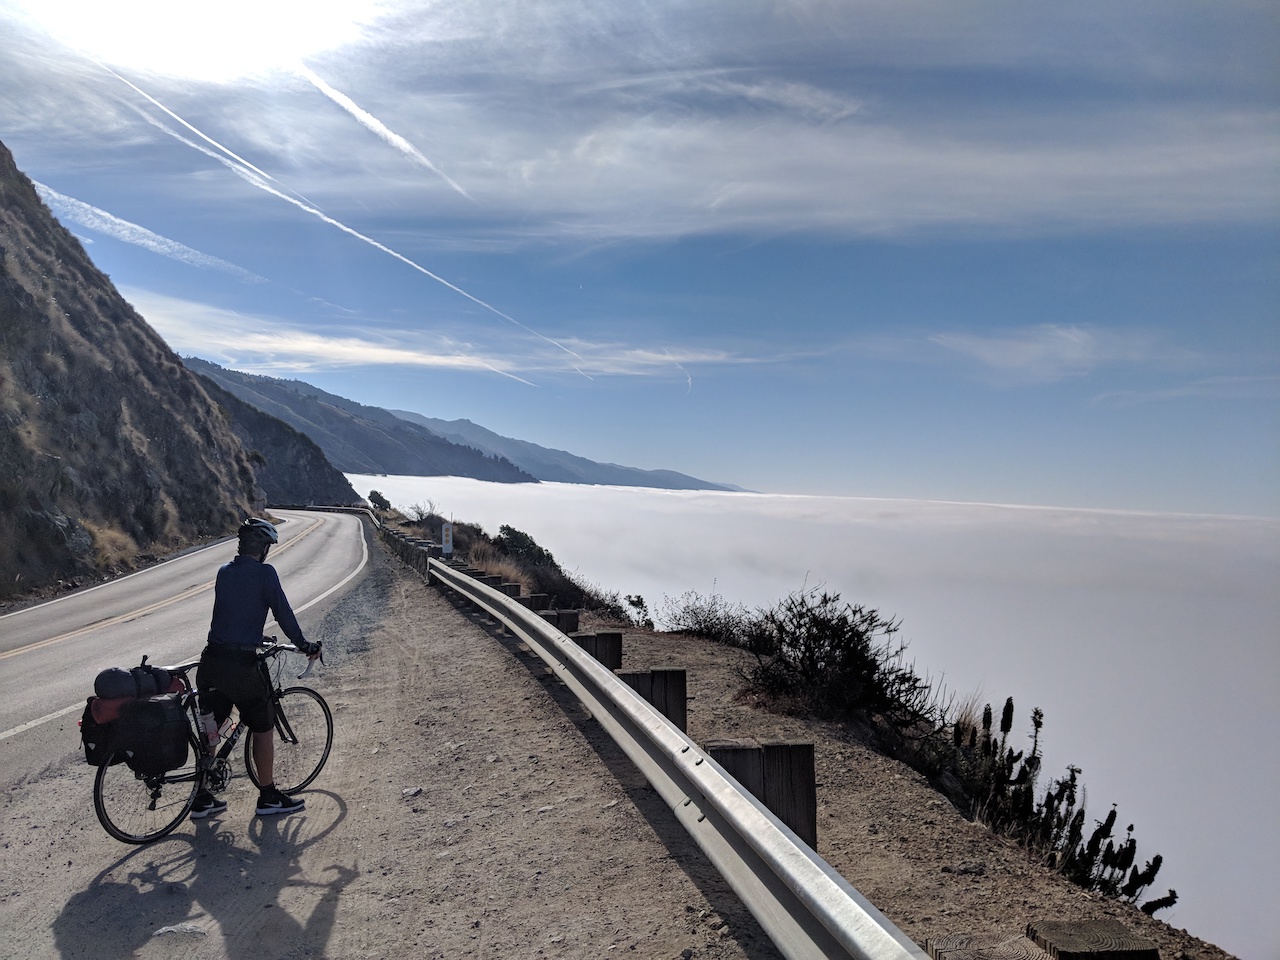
469	809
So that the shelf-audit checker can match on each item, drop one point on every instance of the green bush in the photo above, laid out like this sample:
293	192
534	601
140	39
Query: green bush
839	659
519	546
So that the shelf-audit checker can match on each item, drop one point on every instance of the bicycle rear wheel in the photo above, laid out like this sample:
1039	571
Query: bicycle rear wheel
138	809
304	734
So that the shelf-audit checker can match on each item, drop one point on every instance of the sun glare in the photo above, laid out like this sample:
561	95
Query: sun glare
203	41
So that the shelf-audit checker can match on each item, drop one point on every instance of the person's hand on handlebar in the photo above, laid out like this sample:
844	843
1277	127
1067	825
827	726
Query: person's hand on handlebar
312	650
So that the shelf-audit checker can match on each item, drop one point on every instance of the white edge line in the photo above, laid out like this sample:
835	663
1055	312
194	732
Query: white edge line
35	723
107	583
364	560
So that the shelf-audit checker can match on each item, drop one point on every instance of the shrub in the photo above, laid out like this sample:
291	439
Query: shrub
839	659
710	617
422	513
516	556
637	611
997	785
520	546
379	501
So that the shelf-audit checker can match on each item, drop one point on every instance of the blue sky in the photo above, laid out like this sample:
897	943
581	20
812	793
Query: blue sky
988	252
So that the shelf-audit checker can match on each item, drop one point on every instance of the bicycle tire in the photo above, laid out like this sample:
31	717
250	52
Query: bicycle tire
138	809
304	736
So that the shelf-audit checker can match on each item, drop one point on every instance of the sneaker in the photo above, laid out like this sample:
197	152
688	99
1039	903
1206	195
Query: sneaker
271	802
206	805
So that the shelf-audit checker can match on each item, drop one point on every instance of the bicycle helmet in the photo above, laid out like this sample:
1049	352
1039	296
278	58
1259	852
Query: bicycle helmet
257	533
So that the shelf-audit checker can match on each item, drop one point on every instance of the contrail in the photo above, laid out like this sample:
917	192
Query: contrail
377	126
161	106
95	218
680	367
258	178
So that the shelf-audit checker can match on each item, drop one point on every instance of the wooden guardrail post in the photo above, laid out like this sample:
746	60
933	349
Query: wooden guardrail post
1090	940
671	698
743	760
790	787
566	621
983	946
780	775
605	647
665	690
609	649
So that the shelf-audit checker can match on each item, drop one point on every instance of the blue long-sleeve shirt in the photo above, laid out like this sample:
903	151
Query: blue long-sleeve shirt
245	591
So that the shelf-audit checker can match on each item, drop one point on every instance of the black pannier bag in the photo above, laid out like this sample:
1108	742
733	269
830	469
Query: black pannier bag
153	733
98	737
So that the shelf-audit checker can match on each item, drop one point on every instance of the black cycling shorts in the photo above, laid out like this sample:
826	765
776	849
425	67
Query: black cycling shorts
229	677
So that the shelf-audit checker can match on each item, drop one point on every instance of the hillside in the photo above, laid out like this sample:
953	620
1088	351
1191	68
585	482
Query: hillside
290	467
558	466
357	438
108	445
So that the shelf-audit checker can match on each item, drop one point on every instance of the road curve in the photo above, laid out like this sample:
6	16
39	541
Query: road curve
50	653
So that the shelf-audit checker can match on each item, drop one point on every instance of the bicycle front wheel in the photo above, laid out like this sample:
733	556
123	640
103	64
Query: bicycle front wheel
304	734
138	809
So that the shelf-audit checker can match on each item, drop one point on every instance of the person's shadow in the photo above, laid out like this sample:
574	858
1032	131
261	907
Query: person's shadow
255	892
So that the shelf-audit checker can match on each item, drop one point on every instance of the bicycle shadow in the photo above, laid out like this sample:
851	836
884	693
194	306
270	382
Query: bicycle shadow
248	885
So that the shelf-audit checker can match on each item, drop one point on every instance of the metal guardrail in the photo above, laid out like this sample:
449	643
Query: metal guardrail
803	904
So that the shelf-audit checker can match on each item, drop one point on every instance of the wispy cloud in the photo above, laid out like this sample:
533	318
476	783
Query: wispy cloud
261	344
94	218
670	120
1050	352
264	343
1224	387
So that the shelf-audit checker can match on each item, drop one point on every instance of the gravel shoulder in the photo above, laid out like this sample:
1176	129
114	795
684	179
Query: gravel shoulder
472	809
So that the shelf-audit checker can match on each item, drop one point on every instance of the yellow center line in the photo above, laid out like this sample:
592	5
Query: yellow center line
143	611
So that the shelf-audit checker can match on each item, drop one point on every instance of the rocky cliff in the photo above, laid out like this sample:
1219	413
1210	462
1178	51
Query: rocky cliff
109	446
290	467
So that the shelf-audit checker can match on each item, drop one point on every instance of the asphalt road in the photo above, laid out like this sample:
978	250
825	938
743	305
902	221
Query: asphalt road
49	654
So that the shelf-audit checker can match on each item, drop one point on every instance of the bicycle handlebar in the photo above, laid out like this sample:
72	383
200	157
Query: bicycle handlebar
271	647
274	646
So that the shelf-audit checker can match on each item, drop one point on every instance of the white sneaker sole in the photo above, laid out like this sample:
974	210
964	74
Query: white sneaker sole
277	811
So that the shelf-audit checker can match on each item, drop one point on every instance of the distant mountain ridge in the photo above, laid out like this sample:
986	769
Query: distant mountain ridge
559	466
357	438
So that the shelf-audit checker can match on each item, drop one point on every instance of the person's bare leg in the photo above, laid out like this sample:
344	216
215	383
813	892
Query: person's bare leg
264	757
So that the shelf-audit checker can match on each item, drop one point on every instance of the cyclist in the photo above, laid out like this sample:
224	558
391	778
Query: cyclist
246	590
